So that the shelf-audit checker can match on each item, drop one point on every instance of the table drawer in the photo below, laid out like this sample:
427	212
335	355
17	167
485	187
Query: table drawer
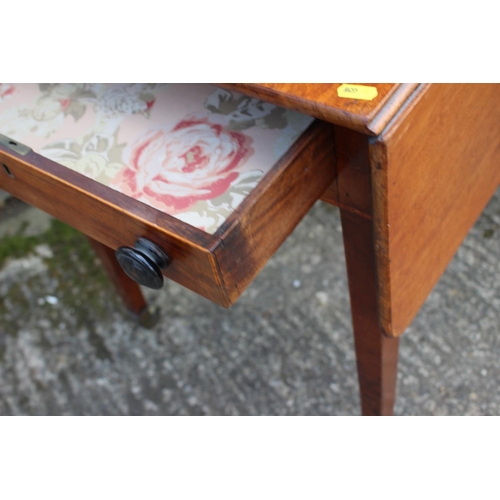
217	264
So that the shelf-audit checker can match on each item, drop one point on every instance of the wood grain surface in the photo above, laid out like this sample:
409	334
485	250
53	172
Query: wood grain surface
376	355
252	234
321	101
352	183
112	219
434	170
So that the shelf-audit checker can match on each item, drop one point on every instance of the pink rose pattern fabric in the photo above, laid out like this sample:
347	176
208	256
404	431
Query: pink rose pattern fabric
5	90
193	151
173	170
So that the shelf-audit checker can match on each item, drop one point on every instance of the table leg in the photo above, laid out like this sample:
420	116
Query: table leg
128	289
377	355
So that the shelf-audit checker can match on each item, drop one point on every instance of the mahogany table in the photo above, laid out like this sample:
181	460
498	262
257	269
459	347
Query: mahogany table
410	167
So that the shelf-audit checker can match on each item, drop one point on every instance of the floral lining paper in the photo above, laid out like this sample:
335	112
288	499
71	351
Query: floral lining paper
193	151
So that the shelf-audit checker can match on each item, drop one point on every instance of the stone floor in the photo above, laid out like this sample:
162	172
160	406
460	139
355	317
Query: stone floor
68	348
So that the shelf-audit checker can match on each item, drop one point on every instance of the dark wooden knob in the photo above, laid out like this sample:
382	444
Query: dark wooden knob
144	263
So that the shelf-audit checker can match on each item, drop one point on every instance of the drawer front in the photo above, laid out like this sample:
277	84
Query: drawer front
266	197
111	218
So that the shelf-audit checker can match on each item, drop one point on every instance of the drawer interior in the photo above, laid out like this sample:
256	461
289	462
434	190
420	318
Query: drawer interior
215	178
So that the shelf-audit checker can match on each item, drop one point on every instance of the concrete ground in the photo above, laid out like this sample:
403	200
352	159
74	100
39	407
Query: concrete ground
68	348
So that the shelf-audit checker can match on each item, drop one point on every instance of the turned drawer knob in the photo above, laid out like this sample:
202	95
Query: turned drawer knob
144	263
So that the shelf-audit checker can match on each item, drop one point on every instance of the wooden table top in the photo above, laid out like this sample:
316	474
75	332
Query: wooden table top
321	101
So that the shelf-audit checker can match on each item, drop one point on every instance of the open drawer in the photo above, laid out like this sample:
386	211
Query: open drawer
215	179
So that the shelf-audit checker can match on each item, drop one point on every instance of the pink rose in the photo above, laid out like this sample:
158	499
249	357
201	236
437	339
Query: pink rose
6	89
173	170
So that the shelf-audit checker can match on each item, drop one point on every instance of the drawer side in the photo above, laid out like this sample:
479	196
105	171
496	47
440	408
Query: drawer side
275	208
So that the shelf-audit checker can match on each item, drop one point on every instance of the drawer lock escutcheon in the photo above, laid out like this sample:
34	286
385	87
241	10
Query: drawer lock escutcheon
144	263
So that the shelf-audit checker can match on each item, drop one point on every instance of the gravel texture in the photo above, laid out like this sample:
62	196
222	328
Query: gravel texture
68	348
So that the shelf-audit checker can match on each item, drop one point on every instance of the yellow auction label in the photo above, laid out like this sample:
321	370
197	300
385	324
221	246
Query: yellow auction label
363	92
